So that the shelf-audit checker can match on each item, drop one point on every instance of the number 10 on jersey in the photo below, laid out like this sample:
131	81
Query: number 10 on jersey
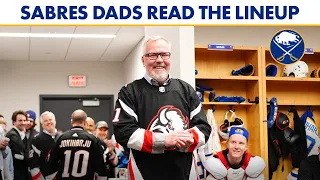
76	163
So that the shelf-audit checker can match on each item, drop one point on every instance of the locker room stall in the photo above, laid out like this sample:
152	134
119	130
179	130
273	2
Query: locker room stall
214	71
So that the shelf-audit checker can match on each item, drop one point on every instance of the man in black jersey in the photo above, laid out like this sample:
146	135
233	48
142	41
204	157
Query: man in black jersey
42	144
77	154
160	119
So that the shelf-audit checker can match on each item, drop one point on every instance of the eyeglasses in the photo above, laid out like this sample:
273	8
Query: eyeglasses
154	56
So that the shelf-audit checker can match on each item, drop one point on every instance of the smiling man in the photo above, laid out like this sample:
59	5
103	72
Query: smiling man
19	145
235	162
41	145
160	119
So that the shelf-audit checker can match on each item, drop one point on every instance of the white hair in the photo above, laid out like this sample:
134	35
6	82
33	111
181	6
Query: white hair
45	114
154	38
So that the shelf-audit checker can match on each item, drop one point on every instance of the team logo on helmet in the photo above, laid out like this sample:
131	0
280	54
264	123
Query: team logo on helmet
239	130
168	119
287	47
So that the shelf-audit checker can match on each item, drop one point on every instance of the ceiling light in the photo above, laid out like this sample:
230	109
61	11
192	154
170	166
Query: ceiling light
55	35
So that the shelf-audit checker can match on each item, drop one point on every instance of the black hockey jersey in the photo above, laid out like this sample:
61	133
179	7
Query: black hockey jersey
38	155
309	168
145	113
76	155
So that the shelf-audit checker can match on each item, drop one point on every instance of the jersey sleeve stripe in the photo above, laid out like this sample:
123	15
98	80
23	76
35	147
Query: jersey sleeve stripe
35	172
18	156
136	139
195	111
196	141
158	143
36	150
199	138
147	142
128	109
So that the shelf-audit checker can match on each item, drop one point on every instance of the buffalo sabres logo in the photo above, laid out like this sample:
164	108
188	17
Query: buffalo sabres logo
168	119
238	130
287	47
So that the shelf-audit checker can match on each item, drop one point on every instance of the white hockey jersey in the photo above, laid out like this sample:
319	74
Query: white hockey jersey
213	144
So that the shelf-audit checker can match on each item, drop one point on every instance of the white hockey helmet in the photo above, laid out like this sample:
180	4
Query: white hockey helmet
299	69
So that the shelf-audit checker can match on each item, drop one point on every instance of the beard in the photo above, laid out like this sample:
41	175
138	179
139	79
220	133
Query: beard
159	76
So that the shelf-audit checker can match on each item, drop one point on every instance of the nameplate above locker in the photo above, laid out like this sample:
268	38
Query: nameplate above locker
220	47
309	51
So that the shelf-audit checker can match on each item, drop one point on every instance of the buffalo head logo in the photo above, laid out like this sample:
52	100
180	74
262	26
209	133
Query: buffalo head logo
168	119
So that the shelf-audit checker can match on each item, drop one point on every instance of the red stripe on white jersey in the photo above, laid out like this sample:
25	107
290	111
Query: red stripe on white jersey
36	176
147	142
196	141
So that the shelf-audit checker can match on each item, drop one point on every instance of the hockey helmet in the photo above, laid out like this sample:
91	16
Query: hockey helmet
224	128
315	73
205	94
282	121
271	70
299	69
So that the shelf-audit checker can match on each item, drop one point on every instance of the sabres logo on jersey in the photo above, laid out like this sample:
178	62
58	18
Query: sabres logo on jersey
168	119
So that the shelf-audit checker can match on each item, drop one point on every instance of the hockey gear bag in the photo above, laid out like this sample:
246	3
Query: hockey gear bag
238	99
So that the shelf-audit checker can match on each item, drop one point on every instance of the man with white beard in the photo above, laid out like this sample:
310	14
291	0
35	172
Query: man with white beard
160	119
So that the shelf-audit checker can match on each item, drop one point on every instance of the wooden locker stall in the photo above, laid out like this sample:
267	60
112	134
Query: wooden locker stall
299	93
214	71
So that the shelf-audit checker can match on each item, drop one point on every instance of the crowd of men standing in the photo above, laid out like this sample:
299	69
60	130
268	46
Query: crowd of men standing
25	152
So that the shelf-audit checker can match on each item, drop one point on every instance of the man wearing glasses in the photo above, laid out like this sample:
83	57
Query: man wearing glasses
160	119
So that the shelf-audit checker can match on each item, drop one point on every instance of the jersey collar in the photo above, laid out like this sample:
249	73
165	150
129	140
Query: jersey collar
225	152
154	82
77	128
55	133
